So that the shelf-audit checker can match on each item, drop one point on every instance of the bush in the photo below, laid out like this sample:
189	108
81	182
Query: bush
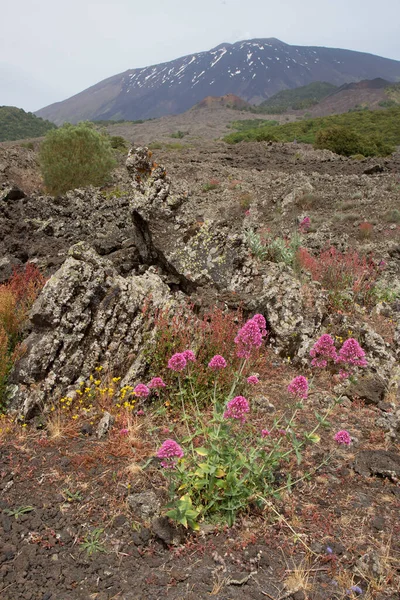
348	277
16	299
118	143
341	140
74	156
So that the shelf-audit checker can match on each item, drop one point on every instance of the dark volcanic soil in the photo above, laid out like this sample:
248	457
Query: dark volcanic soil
67	528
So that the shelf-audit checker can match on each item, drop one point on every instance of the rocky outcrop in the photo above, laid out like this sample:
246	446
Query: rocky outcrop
87	315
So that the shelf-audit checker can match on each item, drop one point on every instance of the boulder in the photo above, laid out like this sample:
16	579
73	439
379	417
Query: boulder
87	315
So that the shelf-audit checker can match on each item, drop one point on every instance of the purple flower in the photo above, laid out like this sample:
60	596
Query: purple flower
177	362
169	451
343	437
156	382
356	589
322	351
217	362
351	353
237	408
141	390
253	380
329	550
250	336
299	387
189	356
265	433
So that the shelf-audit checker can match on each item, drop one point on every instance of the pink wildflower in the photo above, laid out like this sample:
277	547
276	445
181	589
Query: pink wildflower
217	362
351	353
156	382
140	412
305	224
253	380
250	336
177	362
237	408
261	322
299	387
322	351
189	356
343	437
123	431
265	433
141	390
343	374
169	451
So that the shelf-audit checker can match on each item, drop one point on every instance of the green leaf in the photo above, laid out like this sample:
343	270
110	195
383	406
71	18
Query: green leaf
314	438
201	451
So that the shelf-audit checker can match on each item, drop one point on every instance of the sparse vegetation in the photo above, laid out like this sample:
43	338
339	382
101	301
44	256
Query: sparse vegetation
213	184
179	134
75	156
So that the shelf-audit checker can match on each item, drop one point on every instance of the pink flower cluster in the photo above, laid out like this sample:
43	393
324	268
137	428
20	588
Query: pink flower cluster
169	452
178	361
343	437
250	336
299	387
141	390
253	380
217	362
350	354
189	356
265	433
156	382
322	351
237	408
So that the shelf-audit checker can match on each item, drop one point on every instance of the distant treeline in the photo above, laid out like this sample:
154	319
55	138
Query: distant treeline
16	124
299	98
377	131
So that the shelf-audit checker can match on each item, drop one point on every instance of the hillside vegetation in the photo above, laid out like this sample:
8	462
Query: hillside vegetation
296	99
378	131
16	124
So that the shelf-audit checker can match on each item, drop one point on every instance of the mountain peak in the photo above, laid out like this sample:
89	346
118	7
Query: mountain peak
252	69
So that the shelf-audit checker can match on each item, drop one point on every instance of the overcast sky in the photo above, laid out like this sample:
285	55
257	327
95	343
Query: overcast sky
52	49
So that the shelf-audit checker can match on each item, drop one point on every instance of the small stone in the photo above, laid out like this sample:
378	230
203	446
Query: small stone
378	523
105	424
164	530
144	504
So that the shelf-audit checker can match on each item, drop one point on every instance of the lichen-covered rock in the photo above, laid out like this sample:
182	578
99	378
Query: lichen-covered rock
87	315
276	293
151	186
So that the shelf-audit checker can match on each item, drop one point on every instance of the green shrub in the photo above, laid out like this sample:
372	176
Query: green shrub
345	141
74	156
380	129
178	135
118	143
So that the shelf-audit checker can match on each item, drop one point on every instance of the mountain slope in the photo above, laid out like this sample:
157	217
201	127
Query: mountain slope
16	124
253	70
297	98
